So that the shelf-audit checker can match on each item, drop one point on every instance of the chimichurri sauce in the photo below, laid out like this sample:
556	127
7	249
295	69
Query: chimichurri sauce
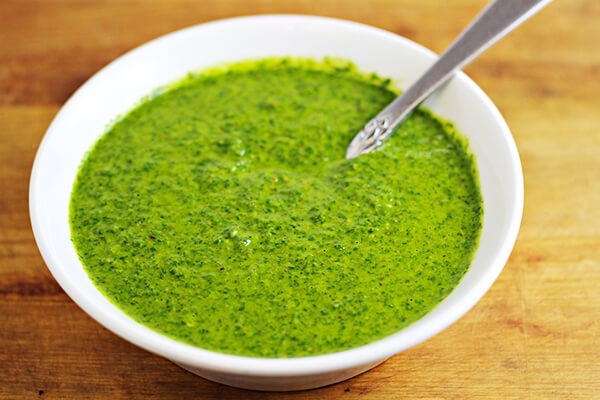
221	212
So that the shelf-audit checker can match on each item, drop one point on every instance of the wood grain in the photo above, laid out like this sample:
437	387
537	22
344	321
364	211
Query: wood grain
533	336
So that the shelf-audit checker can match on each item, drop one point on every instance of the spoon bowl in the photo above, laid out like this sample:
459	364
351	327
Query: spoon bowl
495	21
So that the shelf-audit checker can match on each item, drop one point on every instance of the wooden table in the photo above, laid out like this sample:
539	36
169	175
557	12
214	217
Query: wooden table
535	335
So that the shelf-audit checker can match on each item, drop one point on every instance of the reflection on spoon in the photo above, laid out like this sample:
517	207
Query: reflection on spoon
495	21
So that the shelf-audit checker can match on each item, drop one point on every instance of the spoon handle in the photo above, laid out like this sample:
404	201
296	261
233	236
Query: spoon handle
496	20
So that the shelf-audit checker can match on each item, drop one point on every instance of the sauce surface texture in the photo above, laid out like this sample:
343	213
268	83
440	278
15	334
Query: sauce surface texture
221	212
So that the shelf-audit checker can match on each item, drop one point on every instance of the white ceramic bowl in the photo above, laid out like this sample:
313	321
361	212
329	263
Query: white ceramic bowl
118	86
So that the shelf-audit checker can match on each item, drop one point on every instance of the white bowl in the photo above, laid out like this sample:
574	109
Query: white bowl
118	86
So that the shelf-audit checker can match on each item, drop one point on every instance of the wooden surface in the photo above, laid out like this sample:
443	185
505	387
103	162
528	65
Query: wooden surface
533	336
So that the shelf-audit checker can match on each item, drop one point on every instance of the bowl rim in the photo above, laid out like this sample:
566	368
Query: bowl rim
282	367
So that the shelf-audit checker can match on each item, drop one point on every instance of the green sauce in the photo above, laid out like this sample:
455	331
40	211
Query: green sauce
221	211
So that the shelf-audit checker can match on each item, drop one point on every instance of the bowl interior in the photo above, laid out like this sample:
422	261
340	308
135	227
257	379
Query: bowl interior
117	87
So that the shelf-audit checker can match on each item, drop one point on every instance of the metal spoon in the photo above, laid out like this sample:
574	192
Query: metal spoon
495	21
